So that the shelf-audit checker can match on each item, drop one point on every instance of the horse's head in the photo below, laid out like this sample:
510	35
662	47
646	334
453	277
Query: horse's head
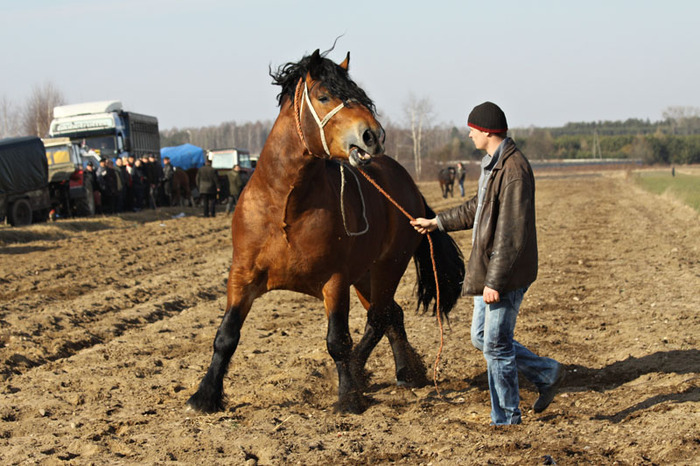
334	116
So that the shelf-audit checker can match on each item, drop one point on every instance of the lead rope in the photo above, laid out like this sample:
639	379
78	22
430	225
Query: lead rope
437	287
342	202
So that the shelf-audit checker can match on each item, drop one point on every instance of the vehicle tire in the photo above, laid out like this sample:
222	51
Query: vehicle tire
86	205
20	213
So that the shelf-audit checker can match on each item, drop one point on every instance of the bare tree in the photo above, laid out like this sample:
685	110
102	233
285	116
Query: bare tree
539	144
684	120
9	119
38	111
418	112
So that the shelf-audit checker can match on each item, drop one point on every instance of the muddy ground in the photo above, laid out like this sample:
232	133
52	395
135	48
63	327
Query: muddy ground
107	324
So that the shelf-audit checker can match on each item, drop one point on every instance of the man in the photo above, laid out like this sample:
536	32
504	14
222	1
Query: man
208	185
139	184
502	265
107	179
155	176
461	174
120	171
91	179
168	173
235	186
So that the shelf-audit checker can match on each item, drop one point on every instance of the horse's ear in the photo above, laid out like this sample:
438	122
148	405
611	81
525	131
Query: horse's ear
346	62
315	58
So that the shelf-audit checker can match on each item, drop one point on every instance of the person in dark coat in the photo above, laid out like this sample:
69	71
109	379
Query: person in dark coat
208	185
235	186
155	176
91	179
168	173
140	185
502	265
122	183
107	179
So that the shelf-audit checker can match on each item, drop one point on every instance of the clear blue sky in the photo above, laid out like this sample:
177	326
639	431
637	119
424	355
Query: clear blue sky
203	62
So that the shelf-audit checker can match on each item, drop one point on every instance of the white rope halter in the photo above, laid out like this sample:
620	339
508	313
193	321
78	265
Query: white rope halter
319	122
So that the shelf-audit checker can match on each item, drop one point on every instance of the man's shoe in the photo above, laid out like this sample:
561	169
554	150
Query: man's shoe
547	394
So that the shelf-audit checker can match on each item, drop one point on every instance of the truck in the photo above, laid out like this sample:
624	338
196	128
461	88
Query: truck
24	181
106	129
71	192
223	161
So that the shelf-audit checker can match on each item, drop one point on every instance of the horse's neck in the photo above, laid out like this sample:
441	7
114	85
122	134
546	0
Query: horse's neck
284	159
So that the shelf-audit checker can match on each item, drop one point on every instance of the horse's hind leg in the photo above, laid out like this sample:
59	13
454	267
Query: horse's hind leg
386	317
336	296
410	370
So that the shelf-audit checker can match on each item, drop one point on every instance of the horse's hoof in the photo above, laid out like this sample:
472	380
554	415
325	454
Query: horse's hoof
353	403
203	404
408	379
361	377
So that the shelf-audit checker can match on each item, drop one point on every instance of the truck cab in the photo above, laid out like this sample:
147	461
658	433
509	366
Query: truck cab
69	190
223	161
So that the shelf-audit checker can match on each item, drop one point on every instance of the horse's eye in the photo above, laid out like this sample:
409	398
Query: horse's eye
324	99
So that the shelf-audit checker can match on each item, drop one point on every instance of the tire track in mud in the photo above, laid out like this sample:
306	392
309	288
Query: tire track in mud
146	281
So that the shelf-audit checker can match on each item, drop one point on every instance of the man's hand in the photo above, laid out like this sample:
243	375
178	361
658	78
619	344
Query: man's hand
491	296
423	225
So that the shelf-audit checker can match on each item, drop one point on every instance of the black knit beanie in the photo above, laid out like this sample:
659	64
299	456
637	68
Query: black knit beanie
488	117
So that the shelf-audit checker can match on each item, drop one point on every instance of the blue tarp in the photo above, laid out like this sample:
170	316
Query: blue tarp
184	156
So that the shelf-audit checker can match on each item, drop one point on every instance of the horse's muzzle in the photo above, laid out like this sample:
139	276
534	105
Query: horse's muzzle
372	145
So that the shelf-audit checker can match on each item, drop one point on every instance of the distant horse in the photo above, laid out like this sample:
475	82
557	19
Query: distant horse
446	177
182	193
307	222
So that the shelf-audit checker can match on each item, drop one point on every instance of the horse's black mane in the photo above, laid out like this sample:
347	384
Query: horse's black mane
334	78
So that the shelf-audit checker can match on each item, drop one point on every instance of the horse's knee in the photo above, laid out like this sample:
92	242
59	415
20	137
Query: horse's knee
338	340
339	346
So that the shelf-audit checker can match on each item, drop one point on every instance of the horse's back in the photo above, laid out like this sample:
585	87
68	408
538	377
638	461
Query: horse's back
397	182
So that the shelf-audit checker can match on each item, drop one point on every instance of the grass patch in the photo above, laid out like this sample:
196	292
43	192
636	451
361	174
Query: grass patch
684	187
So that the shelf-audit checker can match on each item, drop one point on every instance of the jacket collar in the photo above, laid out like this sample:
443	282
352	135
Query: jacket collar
506	151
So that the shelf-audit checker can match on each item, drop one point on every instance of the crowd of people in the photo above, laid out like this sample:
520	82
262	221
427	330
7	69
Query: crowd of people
131	184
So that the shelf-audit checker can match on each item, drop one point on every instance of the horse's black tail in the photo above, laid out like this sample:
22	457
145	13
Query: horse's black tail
450	270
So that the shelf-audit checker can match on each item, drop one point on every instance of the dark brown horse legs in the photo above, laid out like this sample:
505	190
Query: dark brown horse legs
374	331
339	343
410	370
208	397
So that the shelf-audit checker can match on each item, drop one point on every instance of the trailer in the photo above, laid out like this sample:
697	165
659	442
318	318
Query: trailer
24	181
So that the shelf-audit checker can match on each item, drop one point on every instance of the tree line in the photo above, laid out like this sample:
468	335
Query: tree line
673	140
420	145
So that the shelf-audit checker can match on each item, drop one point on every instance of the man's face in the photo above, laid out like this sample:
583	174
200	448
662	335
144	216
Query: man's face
480	138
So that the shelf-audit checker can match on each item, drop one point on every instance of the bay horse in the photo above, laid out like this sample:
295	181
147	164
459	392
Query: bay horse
307	222
446	178
182	192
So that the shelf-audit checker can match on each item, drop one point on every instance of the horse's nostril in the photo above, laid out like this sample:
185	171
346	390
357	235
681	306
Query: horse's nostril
369	138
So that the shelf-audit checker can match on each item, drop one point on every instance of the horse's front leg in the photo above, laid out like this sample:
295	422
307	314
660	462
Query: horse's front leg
336	298
209	396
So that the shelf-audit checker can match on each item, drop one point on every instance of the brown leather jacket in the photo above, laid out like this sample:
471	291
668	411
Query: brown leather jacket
504	253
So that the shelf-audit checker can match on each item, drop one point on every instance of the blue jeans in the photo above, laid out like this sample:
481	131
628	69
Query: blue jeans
492	333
